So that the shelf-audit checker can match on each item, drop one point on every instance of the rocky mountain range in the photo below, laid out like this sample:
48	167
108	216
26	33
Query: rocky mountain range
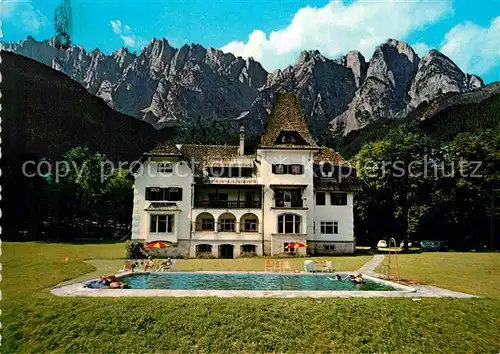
165	86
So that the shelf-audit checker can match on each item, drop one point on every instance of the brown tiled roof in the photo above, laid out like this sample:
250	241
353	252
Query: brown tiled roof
286	115
201	155
328	155
167	148
348	184
204	152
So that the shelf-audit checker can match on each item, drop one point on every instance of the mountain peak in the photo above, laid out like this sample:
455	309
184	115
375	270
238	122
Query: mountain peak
121	51
165	85
437	74
310	56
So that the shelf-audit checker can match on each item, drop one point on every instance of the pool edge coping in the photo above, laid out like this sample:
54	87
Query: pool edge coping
79	289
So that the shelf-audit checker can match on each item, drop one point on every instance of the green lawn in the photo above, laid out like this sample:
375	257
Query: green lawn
350	263
473	273
35	321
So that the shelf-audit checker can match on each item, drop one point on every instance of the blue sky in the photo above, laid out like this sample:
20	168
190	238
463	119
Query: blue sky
274	32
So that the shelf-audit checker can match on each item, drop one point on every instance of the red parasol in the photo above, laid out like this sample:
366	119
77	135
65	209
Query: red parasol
296	245
157	244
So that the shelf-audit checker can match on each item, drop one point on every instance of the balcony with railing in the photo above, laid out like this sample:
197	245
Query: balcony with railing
228	204
228	197
284	203
287	197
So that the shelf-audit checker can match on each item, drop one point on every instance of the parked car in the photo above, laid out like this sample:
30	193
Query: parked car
403	244
381	244
431	245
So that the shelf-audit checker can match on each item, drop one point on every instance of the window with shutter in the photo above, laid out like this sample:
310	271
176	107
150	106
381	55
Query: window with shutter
154	193
161	194
279	169
320	198
339	198
294	169
175	194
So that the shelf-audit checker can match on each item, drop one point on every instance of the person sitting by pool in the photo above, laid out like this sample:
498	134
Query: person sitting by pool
135	265
103	281
112	282
166	264
140	264
149	264
108	279
117	285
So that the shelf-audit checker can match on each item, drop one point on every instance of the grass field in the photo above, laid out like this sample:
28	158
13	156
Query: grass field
473	273
35	321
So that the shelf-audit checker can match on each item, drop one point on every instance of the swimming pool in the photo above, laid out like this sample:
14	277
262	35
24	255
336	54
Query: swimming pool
248	281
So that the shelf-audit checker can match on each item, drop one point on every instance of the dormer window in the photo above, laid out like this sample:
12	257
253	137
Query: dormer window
288	139
327	170
165	167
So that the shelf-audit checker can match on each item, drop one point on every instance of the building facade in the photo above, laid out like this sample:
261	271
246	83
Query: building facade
207	199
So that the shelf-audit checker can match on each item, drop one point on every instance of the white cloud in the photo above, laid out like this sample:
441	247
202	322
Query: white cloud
23	14
337	28
474	49
117	26
128	37
421	49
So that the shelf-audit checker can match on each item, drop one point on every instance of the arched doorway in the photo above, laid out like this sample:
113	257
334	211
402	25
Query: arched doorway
226	251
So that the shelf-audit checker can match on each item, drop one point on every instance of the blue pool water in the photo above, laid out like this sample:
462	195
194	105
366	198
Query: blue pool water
246	281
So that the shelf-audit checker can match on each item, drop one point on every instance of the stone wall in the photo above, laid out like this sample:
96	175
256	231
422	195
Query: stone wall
325	247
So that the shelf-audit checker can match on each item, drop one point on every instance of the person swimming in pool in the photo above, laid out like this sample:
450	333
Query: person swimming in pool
358	279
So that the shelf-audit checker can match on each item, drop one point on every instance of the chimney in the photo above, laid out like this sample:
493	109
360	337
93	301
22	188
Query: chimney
241	149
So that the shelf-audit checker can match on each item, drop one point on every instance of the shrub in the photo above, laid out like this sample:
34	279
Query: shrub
133	249
248	254
205	255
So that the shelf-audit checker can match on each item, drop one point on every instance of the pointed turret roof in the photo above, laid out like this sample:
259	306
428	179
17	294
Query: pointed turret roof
286	118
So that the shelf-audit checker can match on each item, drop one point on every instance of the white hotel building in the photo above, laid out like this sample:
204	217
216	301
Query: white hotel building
217	199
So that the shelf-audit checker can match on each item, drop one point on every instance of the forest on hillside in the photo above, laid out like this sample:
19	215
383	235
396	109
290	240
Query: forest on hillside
443	125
